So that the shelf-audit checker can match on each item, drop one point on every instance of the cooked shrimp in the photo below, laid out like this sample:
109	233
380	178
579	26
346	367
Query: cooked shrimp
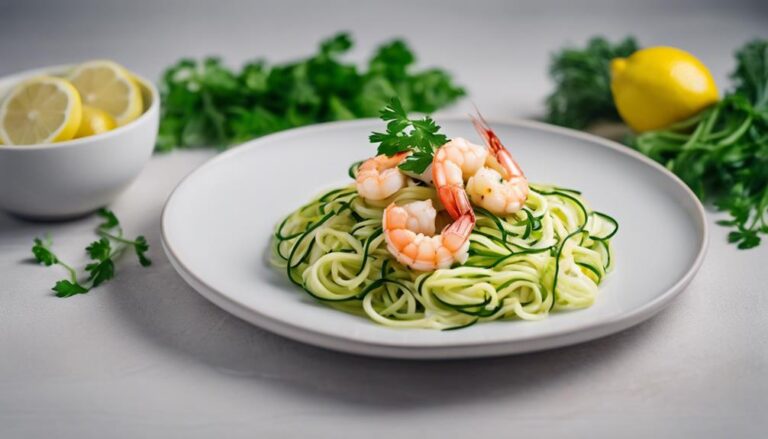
410	229
500	186
409	233
378	177
454	162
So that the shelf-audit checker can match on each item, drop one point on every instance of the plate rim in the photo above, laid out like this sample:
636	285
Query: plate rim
459	349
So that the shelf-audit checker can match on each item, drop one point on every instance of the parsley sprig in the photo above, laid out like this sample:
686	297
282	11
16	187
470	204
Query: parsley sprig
422	140
102	253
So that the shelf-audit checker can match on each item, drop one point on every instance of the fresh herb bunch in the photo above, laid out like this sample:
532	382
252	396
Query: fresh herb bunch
583	84
722	153
422	140
102	253
207	104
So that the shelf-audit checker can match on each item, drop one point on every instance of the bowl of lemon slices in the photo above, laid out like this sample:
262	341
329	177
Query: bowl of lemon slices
73	137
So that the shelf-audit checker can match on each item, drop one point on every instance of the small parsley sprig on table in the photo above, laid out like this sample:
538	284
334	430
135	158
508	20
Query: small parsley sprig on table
421	141
102	253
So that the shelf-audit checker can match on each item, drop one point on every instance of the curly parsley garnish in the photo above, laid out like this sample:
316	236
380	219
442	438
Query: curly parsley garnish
422	140
102	253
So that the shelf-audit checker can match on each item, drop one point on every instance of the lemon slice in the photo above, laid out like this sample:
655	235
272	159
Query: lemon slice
41	110
108	86
94	121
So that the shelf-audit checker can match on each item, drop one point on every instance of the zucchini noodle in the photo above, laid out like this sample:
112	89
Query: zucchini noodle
549	256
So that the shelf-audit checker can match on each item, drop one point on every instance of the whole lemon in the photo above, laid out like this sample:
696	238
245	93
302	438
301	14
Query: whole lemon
658	86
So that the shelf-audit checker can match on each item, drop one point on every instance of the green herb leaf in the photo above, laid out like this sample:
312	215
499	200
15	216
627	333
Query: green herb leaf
417	162
42	252
336	45
65	288
110	220
141	247
100	272
99	250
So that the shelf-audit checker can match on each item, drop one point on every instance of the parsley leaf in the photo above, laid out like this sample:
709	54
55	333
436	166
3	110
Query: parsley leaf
99	250
42	252
417	162
141	247
100	272
422	140
65	288
110	220
205	103
103	253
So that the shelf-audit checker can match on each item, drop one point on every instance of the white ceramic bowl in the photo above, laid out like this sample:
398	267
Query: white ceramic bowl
69	179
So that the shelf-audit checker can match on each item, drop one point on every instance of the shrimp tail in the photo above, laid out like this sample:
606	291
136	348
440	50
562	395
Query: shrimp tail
498	150
456	237
462	226
453	195
379	177
456	201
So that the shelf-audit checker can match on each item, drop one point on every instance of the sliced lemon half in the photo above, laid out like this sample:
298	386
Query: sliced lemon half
41	110
109	87
94	122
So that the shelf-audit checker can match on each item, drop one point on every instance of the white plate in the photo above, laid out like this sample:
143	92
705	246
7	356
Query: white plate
218	222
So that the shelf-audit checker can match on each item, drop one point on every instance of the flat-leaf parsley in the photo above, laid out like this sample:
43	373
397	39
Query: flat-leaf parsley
102	254
422	140
208	104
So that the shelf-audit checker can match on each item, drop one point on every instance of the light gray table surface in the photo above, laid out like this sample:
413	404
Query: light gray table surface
146	356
